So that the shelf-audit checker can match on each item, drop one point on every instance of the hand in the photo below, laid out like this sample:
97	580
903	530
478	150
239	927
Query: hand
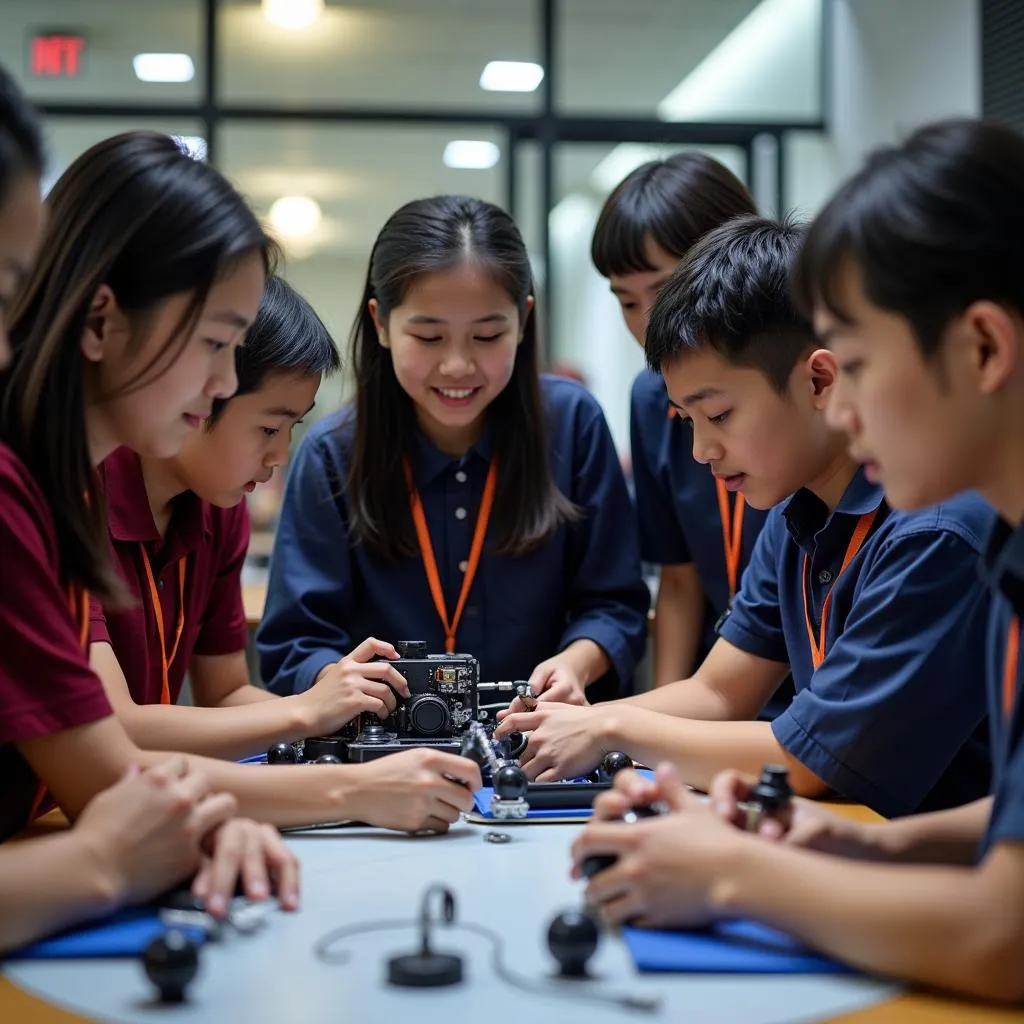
416	790
667	867
254	853
147	829
563	740
804	823
556	680
353	686
631	789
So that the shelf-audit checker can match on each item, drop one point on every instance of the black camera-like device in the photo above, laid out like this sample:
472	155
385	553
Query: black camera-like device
441	704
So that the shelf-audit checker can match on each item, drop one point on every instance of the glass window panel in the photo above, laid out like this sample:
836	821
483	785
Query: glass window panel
691	60
411	54
114	32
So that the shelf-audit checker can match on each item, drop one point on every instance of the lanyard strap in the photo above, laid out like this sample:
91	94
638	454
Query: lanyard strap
419	519
166	660
856	542
732	533
78	605
1010	665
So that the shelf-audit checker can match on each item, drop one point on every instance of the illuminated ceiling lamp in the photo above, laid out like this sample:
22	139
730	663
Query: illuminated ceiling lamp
295	216
292	14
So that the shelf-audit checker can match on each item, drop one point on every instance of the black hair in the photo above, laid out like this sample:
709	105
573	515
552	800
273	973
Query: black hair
731	294
21	136
138	214
423	237
287	337
932	225
670	202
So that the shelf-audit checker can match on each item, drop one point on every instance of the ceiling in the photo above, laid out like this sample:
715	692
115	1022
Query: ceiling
617	58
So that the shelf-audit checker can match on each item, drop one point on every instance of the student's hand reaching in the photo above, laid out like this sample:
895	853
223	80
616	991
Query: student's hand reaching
804	823
667	867
353	686
415	791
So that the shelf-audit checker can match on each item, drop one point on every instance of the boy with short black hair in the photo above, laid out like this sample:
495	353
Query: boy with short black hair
879	615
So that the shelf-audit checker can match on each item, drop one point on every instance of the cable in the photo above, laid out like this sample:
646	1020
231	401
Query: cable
548	987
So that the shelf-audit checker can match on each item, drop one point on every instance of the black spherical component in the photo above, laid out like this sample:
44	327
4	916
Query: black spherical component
510	782
572	939
516	743
428	715
328	759
614	762
282	753
171	961
316	747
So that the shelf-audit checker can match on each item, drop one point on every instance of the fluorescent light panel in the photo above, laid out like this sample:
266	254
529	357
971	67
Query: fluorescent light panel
471	154
292	14
163	67
511	76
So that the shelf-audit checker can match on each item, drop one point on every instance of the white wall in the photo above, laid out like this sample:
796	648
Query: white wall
894	65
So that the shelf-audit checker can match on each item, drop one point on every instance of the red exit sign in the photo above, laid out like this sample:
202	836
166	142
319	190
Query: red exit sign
56	55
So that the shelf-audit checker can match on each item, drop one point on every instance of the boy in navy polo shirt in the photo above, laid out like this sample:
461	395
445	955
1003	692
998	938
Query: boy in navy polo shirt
879	615
915	275
699	536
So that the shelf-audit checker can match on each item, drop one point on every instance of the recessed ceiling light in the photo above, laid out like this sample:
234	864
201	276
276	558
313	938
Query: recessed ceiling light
471	154
295	216
292	13
511	76
163	67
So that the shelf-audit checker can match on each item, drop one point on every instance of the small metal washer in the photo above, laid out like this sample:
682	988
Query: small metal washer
497	837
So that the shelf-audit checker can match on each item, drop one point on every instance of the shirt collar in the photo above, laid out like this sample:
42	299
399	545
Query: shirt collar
429	462
806	514
129	517
1004	562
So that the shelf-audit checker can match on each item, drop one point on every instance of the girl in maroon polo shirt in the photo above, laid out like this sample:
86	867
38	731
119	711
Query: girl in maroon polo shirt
179	530
143	834
150	272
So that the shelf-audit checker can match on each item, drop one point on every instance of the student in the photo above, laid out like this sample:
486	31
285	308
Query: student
879	615
698	533
519	545
146	833
915	275
150	273
180	532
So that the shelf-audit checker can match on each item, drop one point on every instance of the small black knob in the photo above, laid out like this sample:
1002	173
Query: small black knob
590	866
171	961
372	733
328	759
411	648
510	782
772	791
317	746
572	939
282	753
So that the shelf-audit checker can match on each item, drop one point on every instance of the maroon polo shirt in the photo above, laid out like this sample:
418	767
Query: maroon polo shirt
46	685
213	543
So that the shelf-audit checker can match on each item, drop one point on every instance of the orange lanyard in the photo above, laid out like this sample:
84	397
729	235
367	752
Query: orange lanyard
1010	665
166	660
78	605
732	533
419	519
856	542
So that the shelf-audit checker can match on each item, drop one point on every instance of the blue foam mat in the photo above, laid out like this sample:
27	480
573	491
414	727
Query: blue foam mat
733	947
126	933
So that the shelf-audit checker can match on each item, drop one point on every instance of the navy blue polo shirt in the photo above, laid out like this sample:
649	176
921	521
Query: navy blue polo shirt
892	716
676	498
1004	563
326	594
